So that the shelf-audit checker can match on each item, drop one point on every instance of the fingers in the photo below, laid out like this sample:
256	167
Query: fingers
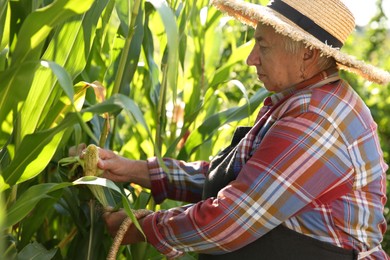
106	154
113	221
76	150
108	160
103	153
81	148
72	151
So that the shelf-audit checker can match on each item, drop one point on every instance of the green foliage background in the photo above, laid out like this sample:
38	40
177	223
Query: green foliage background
150	74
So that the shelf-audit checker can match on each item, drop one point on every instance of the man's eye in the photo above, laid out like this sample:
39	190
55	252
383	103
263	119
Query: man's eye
262	47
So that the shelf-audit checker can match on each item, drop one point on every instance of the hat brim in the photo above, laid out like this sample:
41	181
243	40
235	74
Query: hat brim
252	14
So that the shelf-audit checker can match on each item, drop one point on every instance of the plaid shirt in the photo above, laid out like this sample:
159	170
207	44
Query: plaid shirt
311	162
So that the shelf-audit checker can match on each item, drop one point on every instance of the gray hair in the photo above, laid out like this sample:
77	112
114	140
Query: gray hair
294	47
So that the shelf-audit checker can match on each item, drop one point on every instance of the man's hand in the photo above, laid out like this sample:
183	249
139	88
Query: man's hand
115	219
118	168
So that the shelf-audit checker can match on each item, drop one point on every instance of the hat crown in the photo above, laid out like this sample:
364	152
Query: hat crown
331	15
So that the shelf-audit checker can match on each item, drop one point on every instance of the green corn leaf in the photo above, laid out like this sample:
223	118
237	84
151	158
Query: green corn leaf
153	71
127	208
133	54
63	77
223	73
2	219
35	219
14	87
36	193
131	107
36	251
169	21
123	10
69	49
35	152
4	24
97	186
39	24
93	180
28	200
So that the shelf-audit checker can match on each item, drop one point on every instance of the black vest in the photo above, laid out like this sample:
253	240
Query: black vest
279	243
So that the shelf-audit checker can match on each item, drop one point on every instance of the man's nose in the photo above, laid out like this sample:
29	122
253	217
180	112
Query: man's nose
253	58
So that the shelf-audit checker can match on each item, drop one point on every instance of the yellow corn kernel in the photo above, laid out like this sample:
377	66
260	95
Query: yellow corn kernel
91	158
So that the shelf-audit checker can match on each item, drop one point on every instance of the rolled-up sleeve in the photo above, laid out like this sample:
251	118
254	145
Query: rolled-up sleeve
183	181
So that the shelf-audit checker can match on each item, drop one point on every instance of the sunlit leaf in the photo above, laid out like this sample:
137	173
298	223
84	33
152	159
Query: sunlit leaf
92	180
133	54
15	83
62	76
39	24
35	152
169	21
69	49
4	24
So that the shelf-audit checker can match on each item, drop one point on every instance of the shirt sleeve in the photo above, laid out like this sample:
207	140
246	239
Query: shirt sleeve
183	182
299	159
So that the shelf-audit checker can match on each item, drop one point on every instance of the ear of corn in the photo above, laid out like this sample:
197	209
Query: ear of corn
91	158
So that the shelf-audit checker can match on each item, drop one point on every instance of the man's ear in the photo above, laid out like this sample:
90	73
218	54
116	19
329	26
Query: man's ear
309	54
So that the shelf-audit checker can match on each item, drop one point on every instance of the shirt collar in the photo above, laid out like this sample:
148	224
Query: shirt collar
322	78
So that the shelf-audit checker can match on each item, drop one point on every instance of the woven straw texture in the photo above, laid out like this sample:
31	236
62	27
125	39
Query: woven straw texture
340	24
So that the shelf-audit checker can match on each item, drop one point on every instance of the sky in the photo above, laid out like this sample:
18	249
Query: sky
364	10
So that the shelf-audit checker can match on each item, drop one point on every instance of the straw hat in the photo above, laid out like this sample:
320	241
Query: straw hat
321	24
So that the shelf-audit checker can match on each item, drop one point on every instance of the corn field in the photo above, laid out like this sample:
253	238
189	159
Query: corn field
143	78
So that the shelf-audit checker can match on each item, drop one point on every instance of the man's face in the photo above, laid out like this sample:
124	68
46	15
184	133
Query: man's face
277	68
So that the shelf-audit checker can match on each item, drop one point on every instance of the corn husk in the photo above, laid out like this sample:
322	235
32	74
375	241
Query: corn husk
91	158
